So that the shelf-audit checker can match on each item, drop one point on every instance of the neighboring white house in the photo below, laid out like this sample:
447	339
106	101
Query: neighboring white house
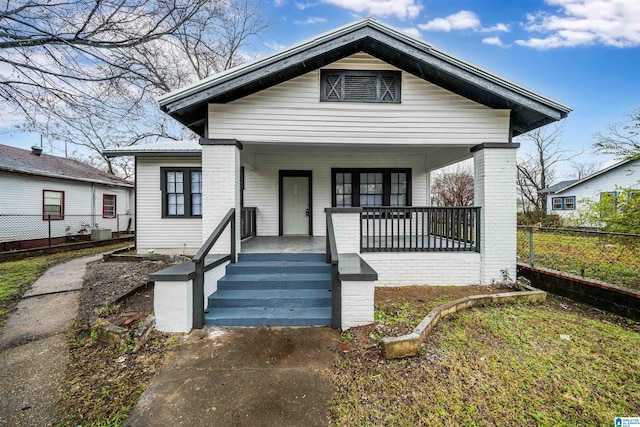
41	191
567	198
352	121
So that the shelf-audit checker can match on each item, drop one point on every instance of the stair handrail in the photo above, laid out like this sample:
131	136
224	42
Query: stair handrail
198	260
332	258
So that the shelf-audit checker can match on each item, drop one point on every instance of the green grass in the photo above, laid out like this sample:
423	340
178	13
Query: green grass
503	365
611	259
17	276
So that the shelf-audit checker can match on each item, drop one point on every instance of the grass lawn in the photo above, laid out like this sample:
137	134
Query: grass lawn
17	276
608	258
502	365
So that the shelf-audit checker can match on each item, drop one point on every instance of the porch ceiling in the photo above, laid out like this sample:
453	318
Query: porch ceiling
436	156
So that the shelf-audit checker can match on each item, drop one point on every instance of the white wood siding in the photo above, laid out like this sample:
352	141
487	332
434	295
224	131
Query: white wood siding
175	235
292	112
626	176
261	185
22	195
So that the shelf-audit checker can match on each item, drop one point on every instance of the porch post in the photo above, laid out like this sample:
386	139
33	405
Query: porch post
220	189
495	193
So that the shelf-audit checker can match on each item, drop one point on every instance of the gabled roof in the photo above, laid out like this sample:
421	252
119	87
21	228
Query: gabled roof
530	110
558	186
168	148
576	182
17	160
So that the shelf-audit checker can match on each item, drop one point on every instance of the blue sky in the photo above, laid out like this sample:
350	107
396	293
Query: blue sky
583	53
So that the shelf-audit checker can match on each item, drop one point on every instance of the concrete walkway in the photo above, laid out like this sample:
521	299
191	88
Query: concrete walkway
33	345
244	377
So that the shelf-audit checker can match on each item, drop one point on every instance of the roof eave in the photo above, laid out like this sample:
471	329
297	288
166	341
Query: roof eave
65	177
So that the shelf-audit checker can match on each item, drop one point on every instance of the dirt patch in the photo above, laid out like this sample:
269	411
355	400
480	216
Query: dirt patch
106	283
102	383
399	310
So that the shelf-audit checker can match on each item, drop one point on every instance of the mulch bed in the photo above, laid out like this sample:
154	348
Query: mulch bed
103	383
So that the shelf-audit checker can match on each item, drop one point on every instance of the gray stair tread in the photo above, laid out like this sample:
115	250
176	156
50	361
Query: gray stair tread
281	263
282	256
270	293
273	277
270	313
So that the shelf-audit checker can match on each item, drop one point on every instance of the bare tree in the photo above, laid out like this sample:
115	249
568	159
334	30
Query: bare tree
453	186
536	167
86	73
582	170
621	139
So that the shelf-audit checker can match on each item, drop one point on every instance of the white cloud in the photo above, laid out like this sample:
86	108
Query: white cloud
402	9
274	45
463	20
585	22
495	41
413	32
311	20
279	3
499	27
303	6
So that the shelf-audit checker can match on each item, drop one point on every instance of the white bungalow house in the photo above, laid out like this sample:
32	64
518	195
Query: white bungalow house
46	199
332	139
567	198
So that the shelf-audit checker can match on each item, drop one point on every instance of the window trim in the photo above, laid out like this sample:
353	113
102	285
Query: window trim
187	191
377	73
386	184
563	204
62	201
115	205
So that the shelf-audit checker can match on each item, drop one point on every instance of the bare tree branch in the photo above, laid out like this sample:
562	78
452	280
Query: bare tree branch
453	186
536	167
621	139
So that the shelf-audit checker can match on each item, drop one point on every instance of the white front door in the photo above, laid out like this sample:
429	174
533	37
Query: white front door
295	205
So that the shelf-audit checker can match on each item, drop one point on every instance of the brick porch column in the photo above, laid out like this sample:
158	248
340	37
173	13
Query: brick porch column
220	189
495	192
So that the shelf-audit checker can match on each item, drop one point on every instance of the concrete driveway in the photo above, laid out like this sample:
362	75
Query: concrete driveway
244	377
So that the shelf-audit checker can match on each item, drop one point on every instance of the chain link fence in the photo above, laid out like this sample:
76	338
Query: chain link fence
608	257
24	231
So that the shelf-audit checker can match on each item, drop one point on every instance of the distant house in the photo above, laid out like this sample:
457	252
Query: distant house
44	195
567	198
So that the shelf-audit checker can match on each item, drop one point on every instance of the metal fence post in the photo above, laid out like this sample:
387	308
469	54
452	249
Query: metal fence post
49	223
531	255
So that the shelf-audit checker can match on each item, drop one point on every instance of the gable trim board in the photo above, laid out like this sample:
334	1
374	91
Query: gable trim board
529	109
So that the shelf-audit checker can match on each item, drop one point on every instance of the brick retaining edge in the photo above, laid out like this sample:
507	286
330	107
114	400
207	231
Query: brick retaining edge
409	345
605	296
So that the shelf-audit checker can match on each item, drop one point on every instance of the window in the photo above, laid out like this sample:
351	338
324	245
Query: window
360	86
563	203
108	206
181	192
371	187
52	204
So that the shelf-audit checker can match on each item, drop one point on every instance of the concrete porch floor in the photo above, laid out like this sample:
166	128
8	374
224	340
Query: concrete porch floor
284	244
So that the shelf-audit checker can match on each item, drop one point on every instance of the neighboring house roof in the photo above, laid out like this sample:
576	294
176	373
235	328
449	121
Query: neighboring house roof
558	186
17	160
530	110
169	148
576	182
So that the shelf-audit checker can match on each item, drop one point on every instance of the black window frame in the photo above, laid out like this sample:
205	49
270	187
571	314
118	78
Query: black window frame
380	85
187	171
386	184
